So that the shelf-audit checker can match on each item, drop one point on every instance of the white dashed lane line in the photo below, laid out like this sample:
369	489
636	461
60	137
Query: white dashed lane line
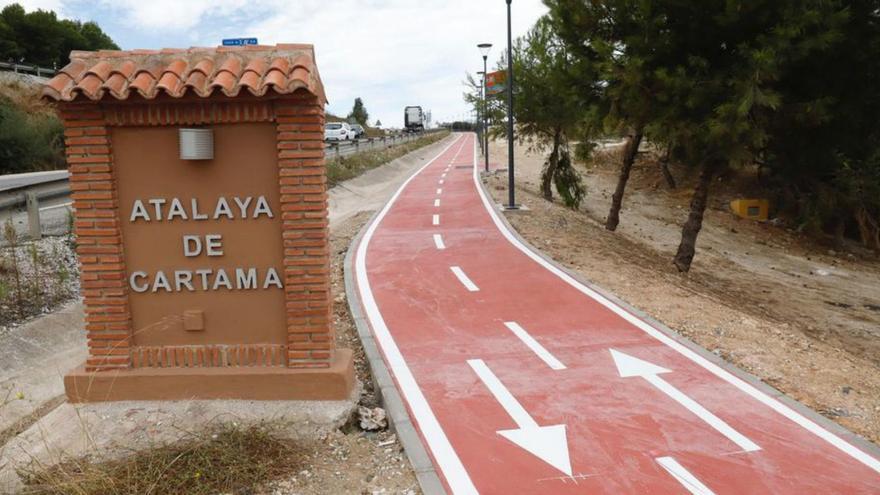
439	191
435	220
438	241
534	345
459	273
436	202
683	476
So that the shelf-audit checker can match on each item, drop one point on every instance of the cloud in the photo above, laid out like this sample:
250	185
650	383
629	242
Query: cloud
30	5
398	53
391	53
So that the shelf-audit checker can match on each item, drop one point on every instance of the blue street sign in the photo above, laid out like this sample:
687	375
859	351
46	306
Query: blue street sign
239	41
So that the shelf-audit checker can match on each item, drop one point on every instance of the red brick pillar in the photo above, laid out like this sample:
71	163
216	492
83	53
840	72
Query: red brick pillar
98	237
303	182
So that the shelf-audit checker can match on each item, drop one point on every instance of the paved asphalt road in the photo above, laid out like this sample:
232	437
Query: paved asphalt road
521	379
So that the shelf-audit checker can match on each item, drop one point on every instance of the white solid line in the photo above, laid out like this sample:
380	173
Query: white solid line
703	413
439	191
683	476
517	412
450	465
63	205
438	241
435	219
534	345
436	202
463	278
713	368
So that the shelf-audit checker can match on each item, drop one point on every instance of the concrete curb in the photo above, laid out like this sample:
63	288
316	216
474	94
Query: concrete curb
383	383
853	438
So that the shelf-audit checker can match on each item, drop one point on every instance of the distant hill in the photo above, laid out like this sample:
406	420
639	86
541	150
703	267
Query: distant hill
31	134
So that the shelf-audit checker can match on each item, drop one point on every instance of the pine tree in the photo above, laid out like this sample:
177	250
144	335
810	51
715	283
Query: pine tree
549	103
697	75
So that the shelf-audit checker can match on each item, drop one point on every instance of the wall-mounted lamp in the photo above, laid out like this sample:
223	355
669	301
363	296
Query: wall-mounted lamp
196	144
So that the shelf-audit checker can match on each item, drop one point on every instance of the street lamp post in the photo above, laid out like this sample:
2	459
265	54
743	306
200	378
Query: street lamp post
482	112
510	184
484	50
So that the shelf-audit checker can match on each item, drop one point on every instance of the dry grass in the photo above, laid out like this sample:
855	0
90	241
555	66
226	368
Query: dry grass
26	95
347	167
227	459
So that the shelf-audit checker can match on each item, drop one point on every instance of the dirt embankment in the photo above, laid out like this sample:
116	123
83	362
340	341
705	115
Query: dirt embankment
803	318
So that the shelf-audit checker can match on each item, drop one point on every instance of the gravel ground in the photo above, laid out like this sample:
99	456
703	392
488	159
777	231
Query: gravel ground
46	279
777	304
351	460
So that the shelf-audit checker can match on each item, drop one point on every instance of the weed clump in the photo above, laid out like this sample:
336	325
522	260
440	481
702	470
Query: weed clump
223	459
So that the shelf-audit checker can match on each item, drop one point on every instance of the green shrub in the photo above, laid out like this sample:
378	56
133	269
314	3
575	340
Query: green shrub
29	142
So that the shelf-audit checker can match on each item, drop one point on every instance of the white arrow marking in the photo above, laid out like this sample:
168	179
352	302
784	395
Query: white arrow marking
438	241
547	443
683	476
534	345
629	366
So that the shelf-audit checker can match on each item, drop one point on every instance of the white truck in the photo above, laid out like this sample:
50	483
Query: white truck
413	119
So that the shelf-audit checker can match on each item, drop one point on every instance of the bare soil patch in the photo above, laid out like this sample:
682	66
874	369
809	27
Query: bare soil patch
775	303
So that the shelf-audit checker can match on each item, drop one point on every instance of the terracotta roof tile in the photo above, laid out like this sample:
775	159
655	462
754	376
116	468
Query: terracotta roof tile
178	72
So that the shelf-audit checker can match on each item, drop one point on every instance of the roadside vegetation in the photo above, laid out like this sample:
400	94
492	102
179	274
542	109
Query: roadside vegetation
784	91
31	134
347	167
40	38
35	276
225	459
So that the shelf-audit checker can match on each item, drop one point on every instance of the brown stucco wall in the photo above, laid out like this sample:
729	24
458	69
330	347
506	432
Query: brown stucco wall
148	166
120	152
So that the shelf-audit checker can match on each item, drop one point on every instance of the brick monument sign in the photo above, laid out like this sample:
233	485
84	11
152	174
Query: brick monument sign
200	201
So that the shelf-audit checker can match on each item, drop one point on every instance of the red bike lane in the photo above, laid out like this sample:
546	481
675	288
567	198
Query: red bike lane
519	379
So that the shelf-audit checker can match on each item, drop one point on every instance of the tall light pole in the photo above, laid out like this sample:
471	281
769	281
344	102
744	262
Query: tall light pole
482	107
484	51
510	184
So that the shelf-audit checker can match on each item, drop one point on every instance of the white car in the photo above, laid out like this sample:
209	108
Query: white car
338	131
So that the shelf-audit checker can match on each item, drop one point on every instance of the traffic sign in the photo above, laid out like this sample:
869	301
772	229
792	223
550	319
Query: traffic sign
239	41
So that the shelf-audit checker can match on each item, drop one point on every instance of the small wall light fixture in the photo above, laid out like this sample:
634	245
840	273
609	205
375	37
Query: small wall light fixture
196	144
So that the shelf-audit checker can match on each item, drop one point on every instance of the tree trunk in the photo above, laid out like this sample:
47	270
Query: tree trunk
664	167
869	229
839	231
550	171
687	246
629	157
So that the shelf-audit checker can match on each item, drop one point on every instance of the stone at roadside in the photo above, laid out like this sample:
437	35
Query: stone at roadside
372	419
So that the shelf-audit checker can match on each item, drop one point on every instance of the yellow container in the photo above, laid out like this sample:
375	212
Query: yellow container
753	209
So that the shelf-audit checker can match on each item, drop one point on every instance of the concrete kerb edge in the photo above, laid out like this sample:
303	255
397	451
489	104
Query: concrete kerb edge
835	428
383	383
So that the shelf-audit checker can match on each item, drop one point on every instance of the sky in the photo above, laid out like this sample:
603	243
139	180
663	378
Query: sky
391	53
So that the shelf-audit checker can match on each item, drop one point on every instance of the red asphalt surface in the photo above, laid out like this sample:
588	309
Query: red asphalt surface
428	325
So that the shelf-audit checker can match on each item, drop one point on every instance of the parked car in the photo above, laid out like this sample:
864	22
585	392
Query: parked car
338	131
359	131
